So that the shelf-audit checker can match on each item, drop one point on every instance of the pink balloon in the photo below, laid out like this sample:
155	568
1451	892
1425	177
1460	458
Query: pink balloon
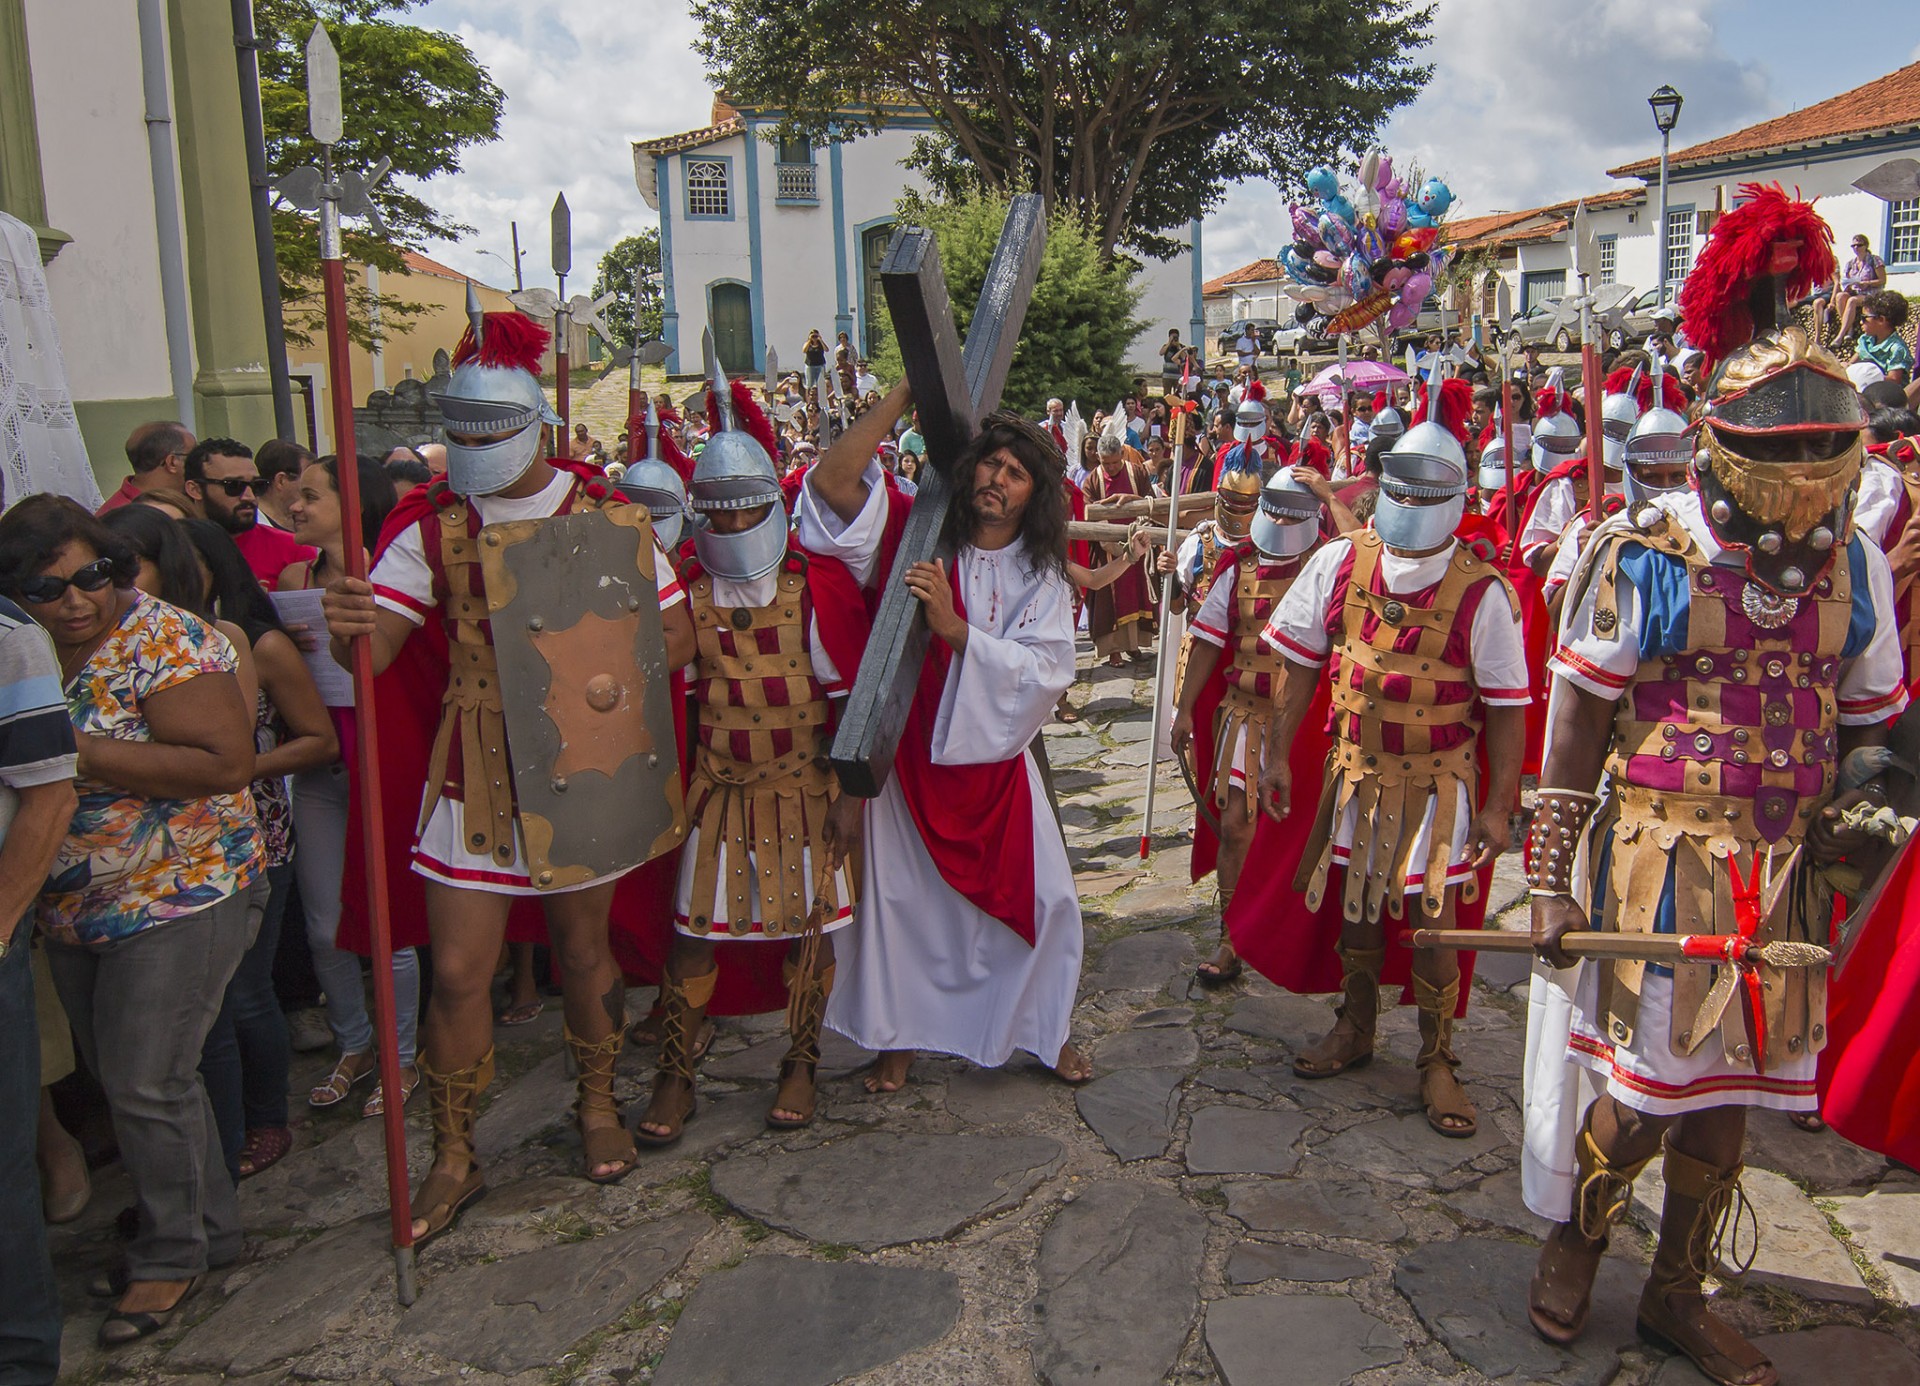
1391	218
1395	277
1403	313
1416	289
1383	175
1326	259
1305	228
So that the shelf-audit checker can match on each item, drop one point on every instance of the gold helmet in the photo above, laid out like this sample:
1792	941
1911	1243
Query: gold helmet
1236	495
1781	435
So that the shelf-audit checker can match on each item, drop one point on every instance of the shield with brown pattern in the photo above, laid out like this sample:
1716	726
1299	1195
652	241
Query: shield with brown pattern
583	680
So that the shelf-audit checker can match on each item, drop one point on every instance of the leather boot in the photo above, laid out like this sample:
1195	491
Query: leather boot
674	1102
453	1097
1562	1287
1702	1201
1350	1043
604	1144
1440	1090
807	992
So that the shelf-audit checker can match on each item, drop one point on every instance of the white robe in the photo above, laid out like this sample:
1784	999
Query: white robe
922	968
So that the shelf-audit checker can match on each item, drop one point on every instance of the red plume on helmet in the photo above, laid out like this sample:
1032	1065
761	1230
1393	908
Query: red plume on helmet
513	342
1672	396
1256	390
747	410
1456	408
1729	296
671	453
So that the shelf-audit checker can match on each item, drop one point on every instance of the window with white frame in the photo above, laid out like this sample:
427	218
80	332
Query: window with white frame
1903	232
708	190
1608	246
1679	244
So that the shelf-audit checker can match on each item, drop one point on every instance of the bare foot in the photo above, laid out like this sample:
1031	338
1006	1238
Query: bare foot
1072	1066
668	1112
1223	967
889	1071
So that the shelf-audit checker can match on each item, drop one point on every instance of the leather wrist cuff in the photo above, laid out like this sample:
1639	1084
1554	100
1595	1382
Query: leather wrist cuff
1559	815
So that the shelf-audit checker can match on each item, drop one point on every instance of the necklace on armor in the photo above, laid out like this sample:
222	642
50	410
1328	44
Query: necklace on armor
1766	610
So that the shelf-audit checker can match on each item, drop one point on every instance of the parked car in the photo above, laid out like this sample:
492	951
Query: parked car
1545	325
1636	324
1293	341
1264	331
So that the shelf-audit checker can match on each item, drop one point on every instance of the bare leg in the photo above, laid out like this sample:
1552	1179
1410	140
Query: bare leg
1236	837
1436	986
673	1092
594	996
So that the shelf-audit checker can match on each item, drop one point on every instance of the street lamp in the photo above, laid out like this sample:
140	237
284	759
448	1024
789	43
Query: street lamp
1666	103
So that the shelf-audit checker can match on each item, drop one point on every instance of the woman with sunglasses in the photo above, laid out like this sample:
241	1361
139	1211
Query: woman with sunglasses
321	798
145	913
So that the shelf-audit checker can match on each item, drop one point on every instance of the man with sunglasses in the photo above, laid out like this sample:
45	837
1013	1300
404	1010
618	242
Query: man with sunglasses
222	477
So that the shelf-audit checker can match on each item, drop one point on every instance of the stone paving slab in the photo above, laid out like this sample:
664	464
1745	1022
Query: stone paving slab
1886	1225
1797	1251
839	1056
1140	962
1148	1048
1118	1279
1302	1339
525	1311
1321	1207
1132	1110
1406	1150
806	1323
881	1189
1243	1140
1255	1262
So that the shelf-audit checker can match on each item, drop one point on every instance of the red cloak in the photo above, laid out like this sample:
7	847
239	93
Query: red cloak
1870	1069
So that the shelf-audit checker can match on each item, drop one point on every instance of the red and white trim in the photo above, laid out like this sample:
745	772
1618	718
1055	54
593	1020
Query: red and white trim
1576	666
1278	642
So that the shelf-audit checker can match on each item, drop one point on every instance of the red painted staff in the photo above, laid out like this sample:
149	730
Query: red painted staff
1503	311
349	194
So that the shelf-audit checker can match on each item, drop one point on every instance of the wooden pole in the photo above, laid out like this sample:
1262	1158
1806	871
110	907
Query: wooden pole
1178	429
347	470
1591	396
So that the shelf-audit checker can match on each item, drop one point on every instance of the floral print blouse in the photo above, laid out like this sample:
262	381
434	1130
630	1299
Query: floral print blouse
132	863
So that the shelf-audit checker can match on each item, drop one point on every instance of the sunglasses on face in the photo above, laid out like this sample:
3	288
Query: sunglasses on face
46	588
236	486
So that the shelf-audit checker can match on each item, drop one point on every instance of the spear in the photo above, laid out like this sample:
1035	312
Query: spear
1177	429
562	318
636	396
1591	387
1656	948
325	121
1503	311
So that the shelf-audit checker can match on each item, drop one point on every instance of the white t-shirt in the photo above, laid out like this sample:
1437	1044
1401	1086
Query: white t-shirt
1495	650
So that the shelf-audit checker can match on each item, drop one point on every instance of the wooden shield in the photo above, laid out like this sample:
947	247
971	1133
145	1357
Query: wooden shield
583	679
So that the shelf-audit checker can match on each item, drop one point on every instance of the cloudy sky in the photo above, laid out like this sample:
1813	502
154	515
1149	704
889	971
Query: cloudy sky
1531	101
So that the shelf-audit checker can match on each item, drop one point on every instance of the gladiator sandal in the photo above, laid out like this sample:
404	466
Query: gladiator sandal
603	1144
1562	1287
1213	975
1440	1090
674	1102
1349	1044
1703	1204
799	1071
454	1098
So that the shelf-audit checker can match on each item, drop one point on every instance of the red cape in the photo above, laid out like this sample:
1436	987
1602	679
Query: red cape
1870	1069
1206	843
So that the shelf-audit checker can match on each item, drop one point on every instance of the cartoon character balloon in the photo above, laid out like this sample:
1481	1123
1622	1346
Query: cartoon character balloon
1350	268
1432	203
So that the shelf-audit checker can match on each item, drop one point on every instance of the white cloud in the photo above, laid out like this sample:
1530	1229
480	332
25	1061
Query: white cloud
1530	102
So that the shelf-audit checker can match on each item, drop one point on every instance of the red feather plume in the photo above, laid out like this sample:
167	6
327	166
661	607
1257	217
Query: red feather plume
753	419
1456	408
1672	396
670	452
1256	390
513	341
1767	234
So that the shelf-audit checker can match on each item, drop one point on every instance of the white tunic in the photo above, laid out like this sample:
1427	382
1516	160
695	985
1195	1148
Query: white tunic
922	967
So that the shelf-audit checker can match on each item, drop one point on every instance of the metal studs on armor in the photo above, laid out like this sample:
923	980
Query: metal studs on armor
742	618
1769	542
1722	512
1792	577
1393	613
1821	538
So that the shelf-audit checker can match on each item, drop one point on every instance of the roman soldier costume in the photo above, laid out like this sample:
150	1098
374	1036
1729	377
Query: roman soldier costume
1742	635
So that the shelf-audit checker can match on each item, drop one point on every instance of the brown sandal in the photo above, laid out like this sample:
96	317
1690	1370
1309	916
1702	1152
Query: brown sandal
1440	1090
1562	1290
1703	1204
686	1001
1349	1044
454	1098
342	1081
799	1072
603	1144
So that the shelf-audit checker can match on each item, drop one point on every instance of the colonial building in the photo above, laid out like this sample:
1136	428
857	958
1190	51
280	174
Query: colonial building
749	226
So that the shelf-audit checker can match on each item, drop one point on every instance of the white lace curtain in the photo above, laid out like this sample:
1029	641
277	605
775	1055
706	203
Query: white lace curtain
40	444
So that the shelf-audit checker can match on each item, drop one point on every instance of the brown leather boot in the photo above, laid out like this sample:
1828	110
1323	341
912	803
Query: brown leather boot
604	1144
1562	1289
806	1009
1702	1201
1449	1109
454	1180
674	1102
1349	1044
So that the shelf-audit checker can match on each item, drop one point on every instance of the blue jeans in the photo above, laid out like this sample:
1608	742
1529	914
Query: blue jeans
245	1060
29	1304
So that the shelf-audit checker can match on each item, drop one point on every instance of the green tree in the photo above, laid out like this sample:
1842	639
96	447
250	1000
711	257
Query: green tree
640	252
1078	328
1133	116
411	94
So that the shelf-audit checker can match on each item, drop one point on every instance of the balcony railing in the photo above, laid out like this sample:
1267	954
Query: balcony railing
795	183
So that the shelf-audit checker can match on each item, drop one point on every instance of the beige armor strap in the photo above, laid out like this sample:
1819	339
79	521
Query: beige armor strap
471	707
1239	711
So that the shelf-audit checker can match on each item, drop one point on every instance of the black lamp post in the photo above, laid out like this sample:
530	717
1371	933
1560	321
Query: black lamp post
1666	103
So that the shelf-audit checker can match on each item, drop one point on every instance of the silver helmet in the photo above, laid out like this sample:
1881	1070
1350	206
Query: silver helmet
493	406
1427	463
1556	439
1286	525
1388	425
656	485
1493	466
735	472
1250	421
1659	438
1618	414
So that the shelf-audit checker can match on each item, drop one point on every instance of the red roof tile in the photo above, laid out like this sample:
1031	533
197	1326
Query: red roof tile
1887	103
1259	272
693	139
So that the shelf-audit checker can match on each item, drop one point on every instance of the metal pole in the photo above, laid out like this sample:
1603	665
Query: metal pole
1665	140
517	285
247	49
157	91
1591	388
1178	431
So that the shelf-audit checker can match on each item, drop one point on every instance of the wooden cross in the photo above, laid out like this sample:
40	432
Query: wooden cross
954	388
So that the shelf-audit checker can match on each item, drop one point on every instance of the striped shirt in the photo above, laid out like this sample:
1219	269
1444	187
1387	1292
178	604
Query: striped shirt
36	734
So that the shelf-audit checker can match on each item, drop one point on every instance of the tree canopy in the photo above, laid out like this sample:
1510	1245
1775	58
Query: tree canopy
641	252
411	94
1079	325
1131	116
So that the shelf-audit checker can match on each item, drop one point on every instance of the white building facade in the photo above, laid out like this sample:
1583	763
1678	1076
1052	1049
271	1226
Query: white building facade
764	240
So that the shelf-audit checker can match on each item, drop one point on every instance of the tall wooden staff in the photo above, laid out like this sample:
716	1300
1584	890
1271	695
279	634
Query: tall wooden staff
1177	429
562	319
1591	386
325	121
1503	312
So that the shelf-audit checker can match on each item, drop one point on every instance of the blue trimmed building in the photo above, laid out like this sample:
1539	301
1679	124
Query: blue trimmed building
764	239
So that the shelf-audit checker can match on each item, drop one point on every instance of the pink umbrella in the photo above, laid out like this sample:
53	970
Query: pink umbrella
1360	375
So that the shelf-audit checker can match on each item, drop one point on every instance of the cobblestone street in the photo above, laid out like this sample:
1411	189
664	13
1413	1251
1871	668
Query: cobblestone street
1195	1214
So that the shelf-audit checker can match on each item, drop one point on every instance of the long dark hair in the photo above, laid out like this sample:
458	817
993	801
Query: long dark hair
161	541
236	594
1043	523
378	495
